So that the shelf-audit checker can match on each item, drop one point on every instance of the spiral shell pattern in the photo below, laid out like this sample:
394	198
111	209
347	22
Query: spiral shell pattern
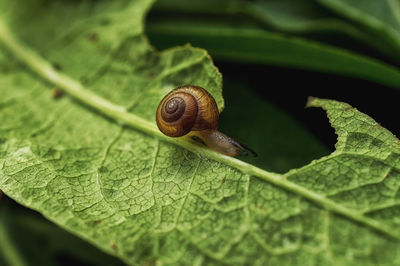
187	108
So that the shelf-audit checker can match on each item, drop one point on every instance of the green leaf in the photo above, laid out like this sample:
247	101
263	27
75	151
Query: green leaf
258	46
298	16
306	16
380	18
301	17
105	37
9	253
94	162
39	242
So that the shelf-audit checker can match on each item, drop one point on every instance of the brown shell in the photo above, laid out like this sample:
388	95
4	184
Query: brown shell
187	108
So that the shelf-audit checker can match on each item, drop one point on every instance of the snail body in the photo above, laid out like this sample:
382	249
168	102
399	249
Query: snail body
192	110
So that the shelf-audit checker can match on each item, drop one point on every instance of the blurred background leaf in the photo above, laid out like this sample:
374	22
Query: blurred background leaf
261	47
302	17
246	31
26	238
381	19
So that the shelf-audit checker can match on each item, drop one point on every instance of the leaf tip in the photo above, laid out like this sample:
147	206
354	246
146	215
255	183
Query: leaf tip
310	101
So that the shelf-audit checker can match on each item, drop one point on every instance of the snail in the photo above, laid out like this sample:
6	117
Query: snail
191	110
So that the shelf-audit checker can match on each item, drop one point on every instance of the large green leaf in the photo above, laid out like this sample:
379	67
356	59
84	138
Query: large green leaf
95	163
88	40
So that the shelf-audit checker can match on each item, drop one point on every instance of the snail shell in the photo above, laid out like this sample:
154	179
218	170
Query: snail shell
187	108
191	109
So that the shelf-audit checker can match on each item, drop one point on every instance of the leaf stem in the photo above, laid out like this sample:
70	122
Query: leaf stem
46	71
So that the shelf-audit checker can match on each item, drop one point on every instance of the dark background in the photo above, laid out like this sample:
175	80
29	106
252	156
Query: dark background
289	89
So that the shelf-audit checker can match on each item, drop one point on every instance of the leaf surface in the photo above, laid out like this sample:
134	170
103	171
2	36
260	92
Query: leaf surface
94	162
